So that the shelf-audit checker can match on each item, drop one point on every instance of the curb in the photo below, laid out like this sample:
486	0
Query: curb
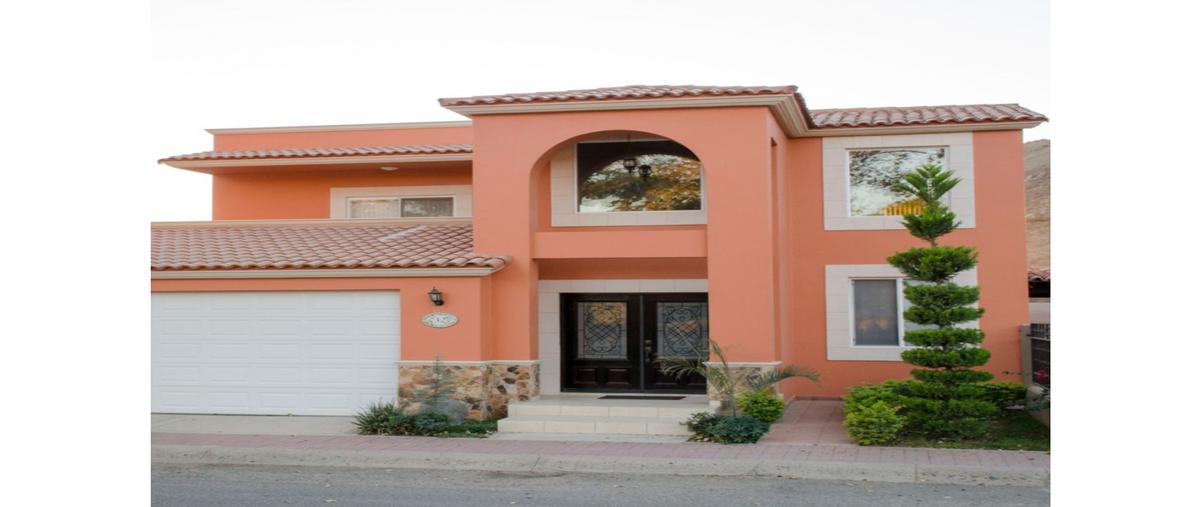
530	463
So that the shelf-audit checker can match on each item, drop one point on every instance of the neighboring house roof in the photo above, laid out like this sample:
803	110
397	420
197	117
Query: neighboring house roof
352	151
312	244
922	115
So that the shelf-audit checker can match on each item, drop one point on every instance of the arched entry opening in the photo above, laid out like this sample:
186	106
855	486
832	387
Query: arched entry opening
611	313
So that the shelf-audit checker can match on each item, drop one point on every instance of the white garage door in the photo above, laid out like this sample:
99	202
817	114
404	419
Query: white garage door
303	353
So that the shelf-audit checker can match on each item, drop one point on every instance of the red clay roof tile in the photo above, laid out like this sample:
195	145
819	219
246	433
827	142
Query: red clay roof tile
313	245
353	151
619	93
817	118
922	115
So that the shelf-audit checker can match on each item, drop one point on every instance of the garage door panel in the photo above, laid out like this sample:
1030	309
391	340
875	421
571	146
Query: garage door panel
230	351
282	376
279	327
376	376
279	351
325	353
381	327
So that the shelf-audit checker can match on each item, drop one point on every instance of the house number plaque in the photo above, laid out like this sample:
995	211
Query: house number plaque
440	319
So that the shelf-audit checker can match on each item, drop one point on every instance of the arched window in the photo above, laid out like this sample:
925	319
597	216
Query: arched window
637	176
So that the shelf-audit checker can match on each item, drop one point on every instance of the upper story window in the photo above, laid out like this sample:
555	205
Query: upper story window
637	176
859	174
875	173
396	207
400	202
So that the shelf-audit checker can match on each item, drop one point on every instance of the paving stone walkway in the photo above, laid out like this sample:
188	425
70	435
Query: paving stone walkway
810	422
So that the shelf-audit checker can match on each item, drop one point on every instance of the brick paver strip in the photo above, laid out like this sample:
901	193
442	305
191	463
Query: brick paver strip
784	452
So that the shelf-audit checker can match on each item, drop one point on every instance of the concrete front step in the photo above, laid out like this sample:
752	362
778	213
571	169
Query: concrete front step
671	412
613	425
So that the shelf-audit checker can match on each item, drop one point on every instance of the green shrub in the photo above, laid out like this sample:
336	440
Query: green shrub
430	423
708	427
887	392
876	423
1004	394
738	430
376	419
762	404
700	424
388	419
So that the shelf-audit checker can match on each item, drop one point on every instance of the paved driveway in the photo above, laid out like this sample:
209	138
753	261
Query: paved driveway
252	424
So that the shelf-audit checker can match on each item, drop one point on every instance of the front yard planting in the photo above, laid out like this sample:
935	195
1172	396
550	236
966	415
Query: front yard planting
429	412
748	404
388	419
947	403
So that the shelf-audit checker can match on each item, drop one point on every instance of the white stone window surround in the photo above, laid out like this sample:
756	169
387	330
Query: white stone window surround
839	304
835	160
339	197
549	333
564	197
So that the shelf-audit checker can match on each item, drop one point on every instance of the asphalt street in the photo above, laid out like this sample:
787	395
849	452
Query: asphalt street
201	485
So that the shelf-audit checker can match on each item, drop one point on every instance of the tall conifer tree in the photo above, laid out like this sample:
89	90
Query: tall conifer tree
947	397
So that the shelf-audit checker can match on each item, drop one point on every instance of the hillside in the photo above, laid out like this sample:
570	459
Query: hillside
1037	203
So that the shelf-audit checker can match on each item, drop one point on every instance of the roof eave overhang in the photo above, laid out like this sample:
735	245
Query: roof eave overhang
923	129
244	274
205	165
785	107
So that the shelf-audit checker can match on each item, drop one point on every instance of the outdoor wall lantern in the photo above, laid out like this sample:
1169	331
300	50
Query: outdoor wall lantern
644	170
436	297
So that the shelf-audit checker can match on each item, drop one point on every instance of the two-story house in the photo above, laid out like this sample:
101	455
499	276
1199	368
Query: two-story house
564	242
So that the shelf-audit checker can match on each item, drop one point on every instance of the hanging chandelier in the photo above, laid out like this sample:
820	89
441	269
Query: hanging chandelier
630	162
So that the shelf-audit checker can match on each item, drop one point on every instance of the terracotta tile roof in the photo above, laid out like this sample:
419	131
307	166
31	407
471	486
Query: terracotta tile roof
619	93
921	115
314	245
354	151
816	119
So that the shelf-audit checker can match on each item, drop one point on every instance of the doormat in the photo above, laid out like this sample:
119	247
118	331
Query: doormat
637	397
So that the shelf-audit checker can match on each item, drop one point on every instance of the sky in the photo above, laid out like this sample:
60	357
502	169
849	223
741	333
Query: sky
257	63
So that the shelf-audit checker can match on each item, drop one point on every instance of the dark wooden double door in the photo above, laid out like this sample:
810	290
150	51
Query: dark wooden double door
613	342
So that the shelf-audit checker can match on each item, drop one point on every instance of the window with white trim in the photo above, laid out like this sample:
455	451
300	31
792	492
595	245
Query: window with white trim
859	174
637	176
428	201
874	174
397	207
864	311
626	180
877	312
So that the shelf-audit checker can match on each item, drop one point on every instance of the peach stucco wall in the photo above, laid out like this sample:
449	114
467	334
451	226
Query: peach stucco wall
733	145
286	194
344	138
999	236
763	250
467	297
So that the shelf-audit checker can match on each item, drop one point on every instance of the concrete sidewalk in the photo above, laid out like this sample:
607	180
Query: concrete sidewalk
811	461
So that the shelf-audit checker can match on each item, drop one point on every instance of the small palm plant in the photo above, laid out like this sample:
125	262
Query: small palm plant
723	380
